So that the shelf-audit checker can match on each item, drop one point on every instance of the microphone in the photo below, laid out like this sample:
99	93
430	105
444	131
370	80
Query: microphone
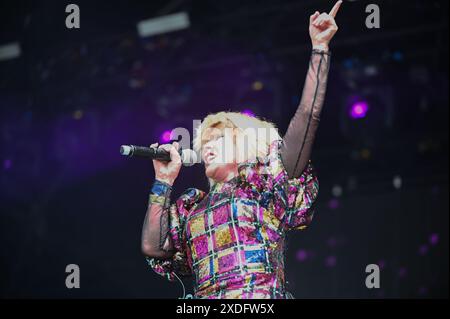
188	157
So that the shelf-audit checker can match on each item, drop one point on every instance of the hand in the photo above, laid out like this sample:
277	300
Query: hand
168	171
322	27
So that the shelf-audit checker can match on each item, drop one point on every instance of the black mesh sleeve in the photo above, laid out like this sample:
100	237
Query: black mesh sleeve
299	138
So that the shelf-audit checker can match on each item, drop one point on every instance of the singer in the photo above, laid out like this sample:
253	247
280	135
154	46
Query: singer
232	239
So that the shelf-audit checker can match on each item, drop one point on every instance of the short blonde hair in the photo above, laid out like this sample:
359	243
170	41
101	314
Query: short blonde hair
241	124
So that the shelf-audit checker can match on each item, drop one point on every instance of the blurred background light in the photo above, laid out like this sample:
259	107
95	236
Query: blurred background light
248	112
359	110
166	136
163	24
434	239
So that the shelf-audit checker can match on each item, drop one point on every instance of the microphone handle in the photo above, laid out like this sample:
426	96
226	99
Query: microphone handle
156	154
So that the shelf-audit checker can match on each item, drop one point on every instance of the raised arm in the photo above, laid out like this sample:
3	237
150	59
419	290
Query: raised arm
299	138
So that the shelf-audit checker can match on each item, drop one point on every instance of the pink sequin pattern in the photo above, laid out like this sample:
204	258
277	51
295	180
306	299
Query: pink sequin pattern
232	239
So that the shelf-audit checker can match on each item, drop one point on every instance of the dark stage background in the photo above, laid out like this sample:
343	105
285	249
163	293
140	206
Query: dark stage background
73	96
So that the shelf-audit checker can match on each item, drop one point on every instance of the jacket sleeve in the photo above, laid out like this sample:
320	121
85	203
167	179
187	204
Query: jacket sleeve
178	264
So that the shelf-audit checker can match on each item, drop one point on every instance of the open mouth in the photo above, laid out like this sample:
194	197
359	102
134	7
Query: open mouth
209	157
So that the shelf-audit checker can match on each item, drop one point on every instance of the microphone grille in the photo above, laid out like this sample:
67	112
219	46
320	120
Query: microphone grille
125	150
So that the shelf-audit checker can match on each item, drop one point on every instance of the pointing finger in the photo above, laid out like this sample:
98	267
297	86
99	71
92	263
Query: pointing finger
335	9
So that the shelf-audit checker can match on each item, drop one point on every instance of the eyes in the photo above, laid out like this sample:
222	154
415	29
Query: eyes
212	139
218	137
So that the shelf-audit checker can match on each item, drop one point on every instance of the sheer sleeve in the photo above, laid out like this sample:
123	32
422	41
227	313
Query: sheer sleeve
178	262
299	138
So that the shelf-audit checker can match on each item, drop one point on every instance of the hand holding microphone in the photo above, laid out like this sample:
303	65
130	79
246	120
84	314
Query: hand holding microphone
167	158
167	171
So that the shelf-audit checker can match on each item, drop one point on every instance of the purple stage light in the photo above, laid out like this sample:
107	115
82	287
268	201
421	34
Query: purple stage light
359	110
165	136
248	113
302	255
330	261
382	264
7	163
434	239
332	242
333	203
423	249
402	272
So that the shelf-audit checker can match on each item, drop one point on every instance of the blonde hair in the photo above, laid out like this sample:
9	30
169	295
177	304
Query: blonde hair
242	125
